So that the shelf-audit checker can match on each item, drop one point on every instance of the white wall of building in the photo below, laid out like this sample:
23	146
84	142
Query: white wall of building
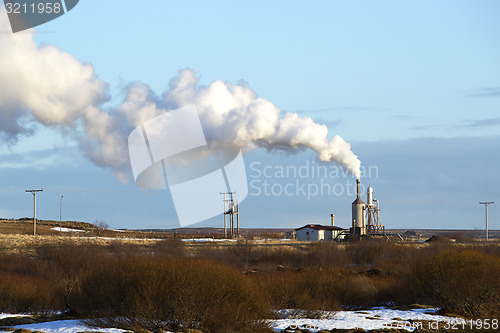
312	235
309	234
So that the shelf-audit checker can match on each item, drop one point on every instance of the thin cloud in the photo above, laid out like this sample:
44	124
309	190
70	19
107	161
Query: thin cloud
486	92
423	127
329	123
481	123
404	117
40	159
341	108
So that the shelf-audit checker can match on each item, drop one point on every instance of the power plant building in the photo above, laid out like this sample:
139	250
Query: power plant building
316	232
365	221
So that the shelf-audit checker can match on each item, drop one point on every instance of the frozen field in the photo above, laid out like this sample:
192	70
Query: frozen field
376	318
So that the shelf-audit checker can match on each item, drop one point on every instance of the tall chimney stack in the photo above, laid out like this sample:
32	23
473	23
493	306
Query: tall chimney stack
333	219
358	183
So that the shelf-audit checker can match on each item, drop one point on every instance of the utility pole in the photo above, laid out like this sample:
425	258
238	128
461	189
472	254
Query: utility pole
34	192
60	210
231	209
486	204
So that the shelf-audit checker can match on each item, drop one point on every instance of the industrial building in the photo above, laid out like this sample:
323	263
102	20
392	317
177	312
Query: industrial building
316	232
365	221
365	216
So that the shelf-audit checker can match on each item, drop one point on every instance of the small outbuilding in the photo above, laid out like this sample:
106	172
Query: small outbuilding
317	232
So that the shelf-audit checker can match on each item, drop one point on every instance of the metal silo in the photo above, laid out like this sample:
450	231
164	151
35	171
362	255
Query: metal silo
358	213
369	196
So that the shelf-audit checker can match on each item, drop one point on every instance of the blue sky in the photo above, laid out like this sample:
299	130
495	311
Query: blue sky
413	86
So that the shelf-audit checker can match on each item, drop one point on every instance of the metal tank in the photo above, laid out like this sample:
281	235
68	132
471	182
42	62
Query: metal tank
369	196
358	213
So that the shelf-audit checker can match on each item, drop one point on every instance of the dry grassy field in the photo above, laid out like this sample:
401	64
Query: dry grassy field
17	236
153	281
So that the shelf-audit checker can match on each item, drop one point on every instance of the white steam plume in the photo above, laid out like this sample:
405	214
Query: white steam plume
233	115
50	87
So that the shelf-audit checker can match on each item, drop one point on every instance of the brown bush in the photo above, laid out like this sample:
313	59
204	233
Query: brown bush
28	285
245	255
315	288
28	294
328	253
170	247
371	253
161	293
285	256
159	286
68	263
461	281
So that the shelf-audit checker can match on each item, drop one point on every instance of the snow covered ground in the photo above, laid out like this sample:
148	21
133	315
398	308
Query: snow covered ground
7	315
202	240
66	326
194	240
207	240
376	318
62	229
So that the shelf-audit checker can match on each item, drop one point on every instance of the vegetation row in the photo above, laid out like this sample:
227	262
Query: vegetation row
236	288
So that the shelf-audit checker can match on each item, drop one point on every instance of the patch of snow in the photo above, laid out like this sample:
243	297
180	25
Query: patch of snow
203	240
120	238
8	315
376	318
66	326
62	229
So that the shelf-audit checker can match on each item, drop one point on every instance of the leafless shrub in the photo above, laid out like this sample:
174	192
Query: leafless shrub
158	286
27	285
161	293
101	224
243	251
309	289
170	247
462	281
328	253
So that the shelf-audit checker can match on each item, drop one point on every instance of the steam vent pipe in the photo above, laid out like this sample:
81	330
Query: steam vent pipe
358	213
